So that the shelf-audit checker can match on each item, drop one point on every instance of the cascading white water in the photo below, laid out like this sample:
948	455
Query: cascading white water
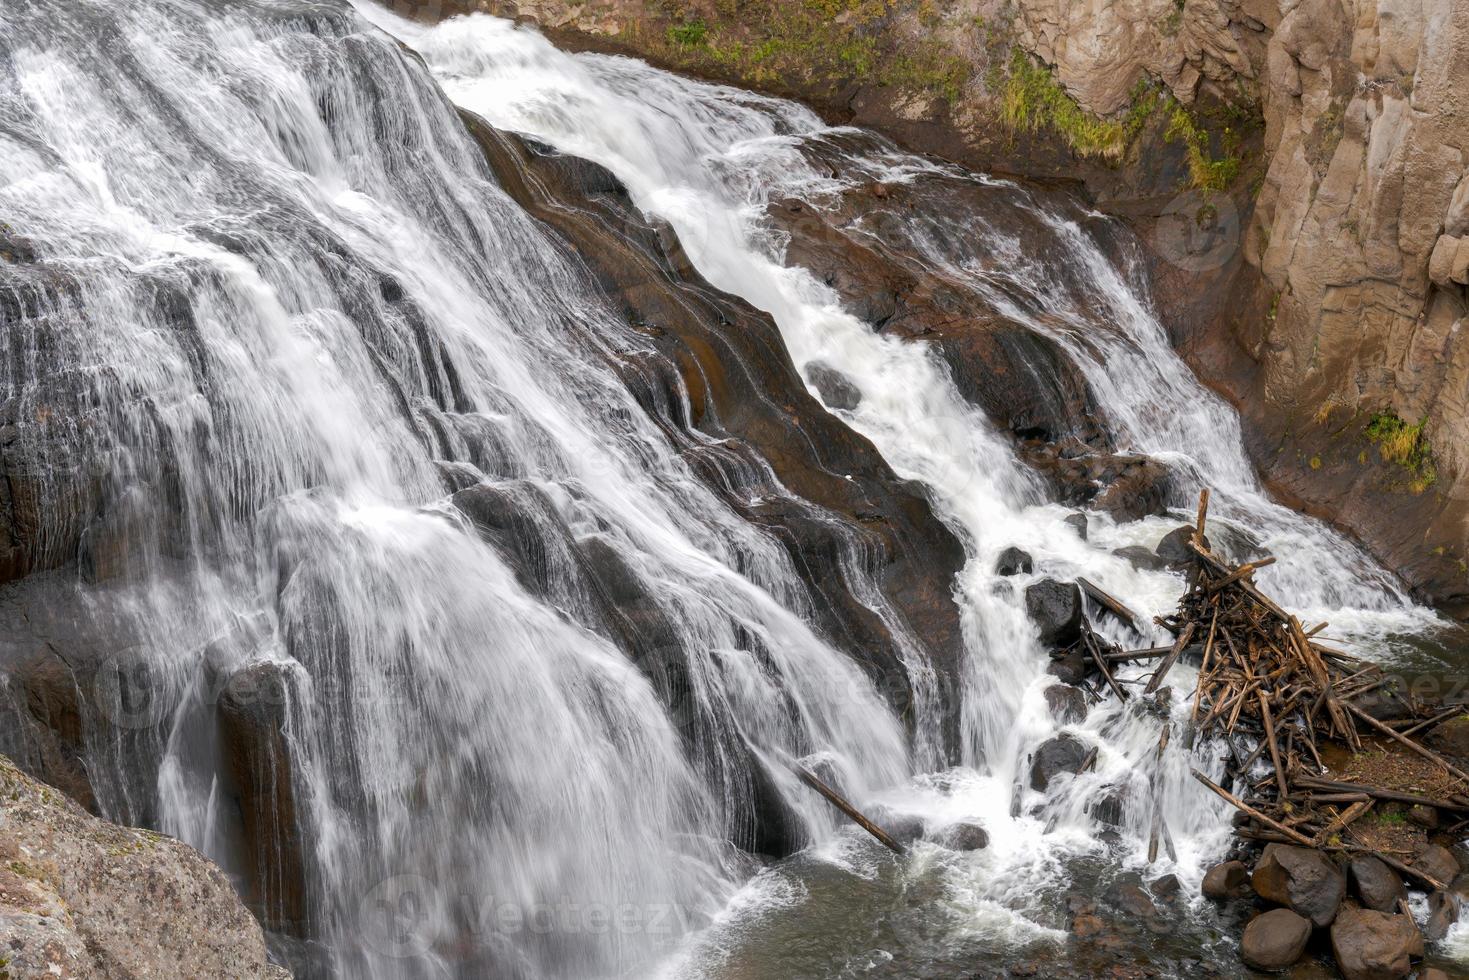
274	273
282	288
708	160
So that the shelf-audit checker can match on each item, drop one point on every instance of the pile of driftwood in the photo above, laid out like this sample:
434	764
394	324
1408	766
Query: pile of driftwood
1265	680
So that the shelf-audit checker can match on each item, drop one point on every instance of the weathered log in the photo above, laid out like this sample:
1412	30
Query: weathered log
836	800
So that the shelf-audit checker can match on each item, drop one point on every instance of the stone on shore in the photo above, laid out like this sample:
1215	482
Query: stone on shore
1370	945
1301	879
1275	940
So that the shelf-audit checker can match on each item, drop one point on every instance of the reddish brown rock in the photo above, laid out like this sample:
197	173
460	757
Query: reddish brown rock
1275	940
1371	945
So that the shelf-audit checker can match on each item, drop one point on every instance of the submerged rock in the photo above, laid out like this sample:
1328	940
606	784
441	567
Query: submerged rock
1056	609
1275	940
1140	557
1301	879
83	898
1067	703
1370	945
963	836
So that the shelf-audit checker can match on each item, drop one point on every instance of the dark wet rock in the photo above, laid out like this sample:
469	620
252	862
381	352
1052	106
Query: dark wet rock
1140	488
1140	557
1451	737
1077	522
83	898
1438	861
1174	548
1371	945
1068	666
254	712
963	837
1166	888
835	388
1377	886
1110	807
1014	561
1067	703
1062	754
1056	609
1301	879
1275	940
1225	881
1443	912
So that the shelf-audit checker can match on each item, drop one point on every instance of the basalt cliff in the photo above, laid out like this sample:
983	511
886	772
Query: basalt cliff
1299	171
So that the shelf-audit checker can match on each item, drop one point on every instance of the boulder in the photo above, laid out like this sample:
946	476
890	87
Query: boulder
1067	703
1371	945
1438	861
1056	609
1055	756
836	389
1376	885
1174	548
1078	523
1301	879
963	836
1452	737
1014	561
1228	880
84	898
1275	940
1423	816
1141	558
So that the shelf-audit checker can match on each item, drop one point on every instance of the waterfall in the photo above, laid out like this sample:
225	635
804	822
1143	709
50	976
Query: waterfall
711	160
275	309
348	444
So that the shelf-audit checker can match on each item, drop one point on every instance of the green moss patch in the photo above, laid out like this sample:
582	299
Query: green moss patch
1404	445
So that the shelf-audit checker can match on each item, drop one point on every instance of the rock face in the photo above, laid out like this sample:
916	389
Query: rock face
1372	945
1359	232
1301	879
1275	940
83	898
